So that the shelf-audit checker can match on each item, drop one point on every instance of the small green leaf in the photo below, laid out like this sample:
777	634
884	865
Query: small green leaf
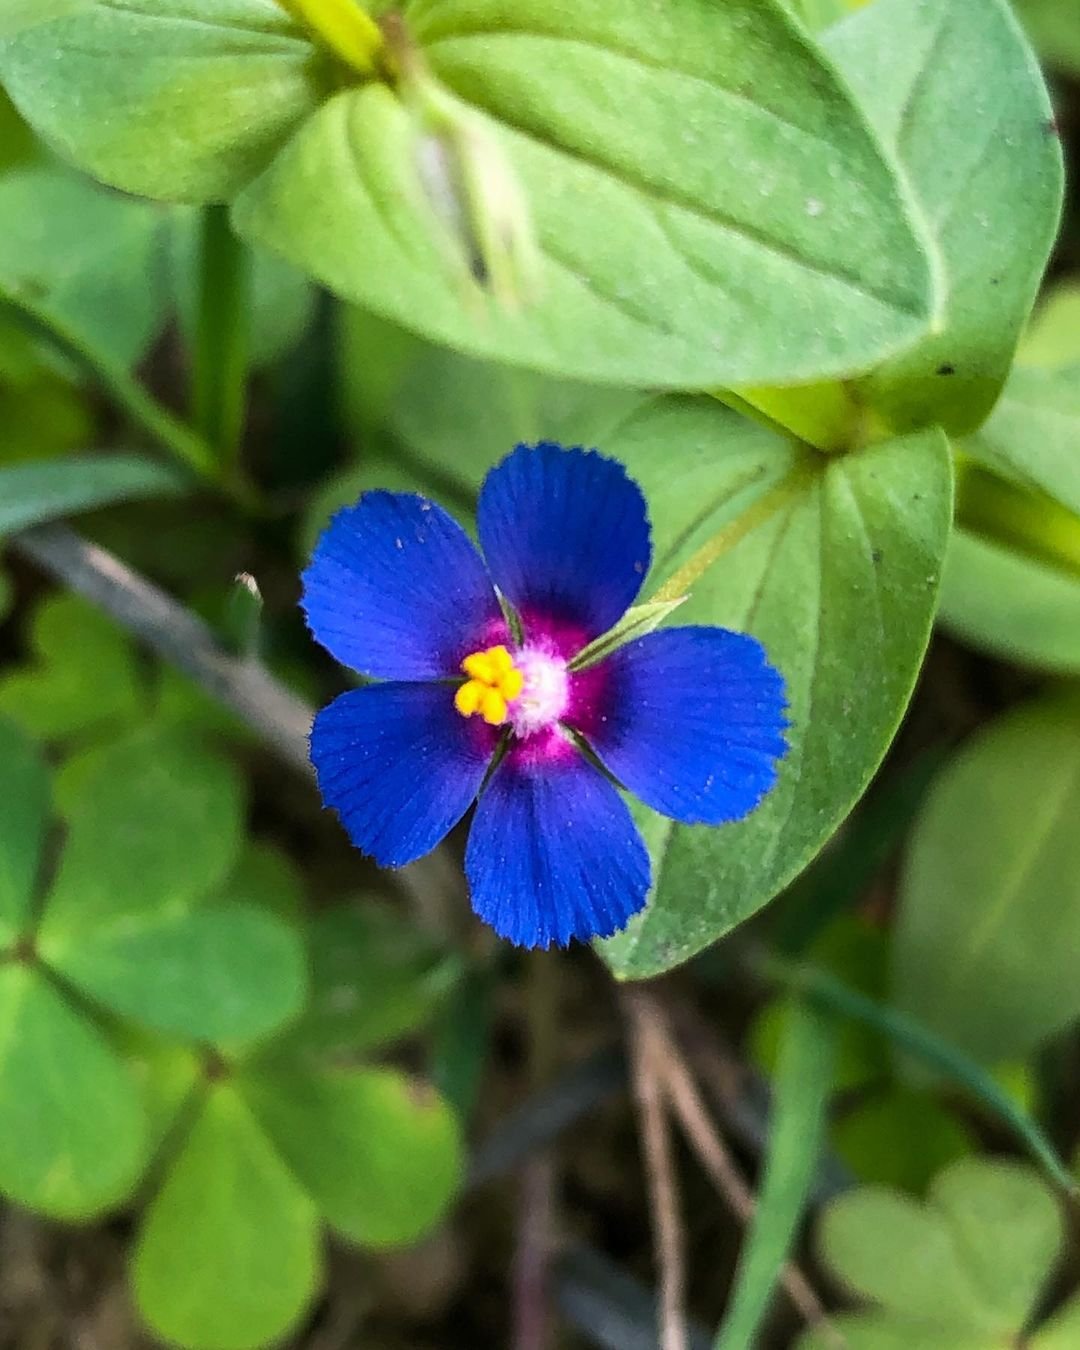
155	825
68	484
381	1155
85	679
1062	1332
82	259
374	978
801	1096
973	1259
768	538
223	973
24	814
1033	433
900	1138
72	1130
987	170
163	97
268	877
637	621
1000	599
168	1075
990	896
654	269
228	1256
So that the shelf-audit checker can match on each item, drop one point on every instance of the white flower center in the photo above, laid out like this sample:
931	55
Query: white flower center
545	692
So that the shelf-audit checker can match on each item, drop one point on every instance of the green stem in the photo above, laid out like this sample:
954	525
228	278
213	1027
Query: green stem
823	989
219	383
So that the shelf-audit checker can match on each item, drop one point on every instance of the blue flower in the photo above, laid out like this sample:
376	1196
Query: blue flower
471	707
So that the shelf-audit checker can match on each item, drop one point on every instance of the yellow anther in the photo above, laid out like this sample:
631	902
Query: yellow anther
494	682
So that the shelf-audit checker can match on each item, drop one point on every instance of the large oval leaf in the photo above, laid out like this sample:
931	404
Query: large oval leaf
989	924
957	92
833	562
709	205
179	99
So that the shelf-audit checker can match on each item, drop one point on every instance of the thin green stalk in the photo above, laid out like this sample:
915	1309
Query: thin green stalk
912	1036
220	373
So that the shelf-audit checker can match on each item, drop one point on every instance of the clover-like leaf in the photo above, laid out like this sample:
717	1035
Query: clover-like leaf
223	973
833	563
963	1270
374	978
382	1156
653	268
24	811
72	1127
155	825
83	680
990	897
986	168
900	1137
228	1255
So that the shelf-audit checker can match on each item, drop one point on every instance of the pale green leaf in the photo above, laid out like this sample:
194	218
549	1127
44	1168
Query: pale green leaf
884	1331
654	267
1052	339
381	1155
83	678
67	484
990	896
17	15
789	534
374	978
228	1256
81	258
154	825
1002	600
72	1129
24	814
222	973
956	91
167	98
800	1099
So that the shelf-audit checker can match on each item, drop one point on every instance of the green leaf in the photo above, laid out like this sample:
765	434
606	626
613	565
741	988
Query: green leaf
1000	599
223	973
882	1331
784	535
819	14
33	493
637	621
992	969
1062	1332
268	877
1033	434
155	824
381	1155
228	1256
1052	339
987	173
654	269
168	1075
72	1131
24	814
17	15
1054	26
163	97
973	1259
81	258
84	680
900	1138
802	1087
374	978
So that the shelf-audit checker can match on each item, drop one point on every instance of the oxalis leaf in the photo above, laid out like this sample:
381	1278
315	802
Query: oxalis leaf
957	92
798	258
833	562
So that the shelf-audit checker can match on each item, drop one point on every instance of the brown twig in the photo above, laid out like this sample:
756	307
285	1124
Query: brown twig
646	1052
703	1137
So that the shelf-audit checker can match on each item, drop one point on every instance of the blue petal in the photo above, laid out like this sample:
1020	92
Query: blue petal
692	721
396	590
399	766
565	534
553	854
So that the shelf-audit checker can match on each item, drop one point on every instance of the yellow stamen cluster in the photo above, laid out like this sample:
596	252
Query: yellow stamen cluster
494	682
